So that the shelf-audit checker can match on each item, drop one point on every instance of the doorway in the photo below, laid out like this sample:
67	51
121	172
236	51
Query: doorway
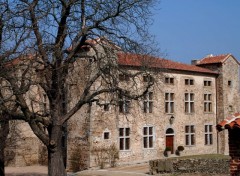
170	139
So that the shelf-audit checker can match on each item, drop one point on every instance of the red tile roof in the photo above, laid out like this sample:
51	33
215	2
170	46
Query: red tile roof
128	59
214	59
230	122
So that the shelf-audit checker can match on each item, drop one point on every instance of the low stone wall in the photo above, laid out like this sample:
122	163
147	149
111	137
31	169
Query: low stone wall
193	165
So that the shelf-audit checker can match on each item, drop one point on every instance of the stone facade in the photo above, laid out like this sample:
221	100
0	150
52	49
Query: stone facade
181	110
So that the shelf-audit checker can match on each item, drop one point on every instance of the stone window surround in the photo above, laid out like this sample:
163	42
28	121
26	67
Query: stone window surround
207	103
124	139
148	102
169	103
190	135
148	137
189	102
208	134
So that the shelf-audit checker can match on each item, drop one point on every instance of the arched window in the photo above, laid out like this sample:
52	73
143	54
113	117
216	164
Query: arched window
169	131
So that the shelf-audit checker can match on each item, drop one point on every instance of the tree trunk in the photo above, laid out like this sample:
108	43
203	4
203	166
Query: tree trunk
55	153
4	130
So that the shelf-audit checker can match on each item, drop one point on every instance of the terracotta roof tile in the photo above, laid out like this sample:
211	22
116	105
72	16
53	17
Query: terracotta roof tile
213	59
230	122
128	59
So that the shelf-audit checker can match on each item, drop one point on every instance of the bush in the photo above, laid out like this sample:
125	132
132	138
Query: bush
106	155
168	149
180	148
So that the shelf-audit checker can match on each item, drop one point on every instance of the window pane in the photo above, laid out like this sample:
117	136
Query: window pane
186	96
205	96
166	107
211	139
186	81
166	80
205	107
121	131
192	129
210	128
206	128
192	139
171	96
145	131
150	142
191	107
171	107
186	107
187	140
171	80
206	139
145	141
145	107
191	81
166	96
186	129
150	95
191	97
150	131
121	144
127	133
150	107
127	144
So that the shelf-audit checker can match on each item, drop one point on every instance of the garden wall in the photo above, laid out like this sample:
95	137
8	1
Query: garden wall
193	165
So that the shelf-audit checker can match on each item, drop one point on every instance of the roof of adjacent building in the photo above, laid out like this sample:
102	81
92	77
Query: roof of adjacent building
230	122
136	60
211	59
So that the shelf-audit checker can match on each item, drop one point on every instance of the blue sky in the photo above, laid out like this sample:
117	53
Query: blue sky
192	29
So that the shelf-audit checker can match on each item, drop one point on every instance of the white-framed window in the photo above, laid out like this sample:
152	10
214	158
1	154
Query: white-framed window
169	80
148	102
148	136
189	102
124	138
207	102
124	104
169	102
207	83
190	135
208	129
189	82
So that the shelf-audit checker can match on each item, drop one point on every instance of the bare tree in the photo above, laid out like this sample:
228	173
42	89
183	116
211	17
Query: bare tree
55	40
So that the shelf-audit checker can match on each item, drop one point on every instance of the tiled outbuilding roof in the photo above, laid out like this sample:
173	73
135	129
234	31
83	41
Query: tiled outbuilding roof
211	59
128	59
230	122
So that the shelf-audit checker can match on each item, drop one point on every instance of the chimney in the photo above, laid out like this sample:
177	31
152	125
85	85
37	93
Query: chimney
194	62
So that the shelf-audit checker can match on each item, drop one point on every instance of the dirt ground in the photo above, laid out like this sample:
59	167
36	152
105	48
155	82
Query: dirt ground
135	170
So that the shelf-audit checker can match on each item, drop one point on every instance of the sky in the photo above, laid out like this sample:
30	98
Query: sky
192	29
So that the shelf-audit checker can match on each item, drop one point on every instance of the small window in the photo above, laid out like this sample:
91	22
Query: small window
230	108
147	78
106	135
169	80
148	102
189	82
230	83
106	107
207	83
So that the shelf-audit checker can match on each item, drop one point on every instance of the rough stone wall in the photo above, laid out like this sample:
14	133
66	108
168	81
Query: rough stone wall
112	120
23	147
194	165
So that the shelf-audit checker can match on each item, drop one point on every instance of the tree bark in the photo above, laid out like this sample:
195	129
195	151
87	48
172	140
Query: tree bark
4	130
55	153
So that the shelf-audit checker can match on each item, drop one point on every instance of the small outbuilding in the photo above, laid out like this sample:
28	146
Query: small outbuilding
232	123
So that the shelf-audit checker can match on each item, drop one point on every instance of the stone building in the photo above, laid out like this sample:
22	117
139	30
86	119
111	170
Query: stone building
181	109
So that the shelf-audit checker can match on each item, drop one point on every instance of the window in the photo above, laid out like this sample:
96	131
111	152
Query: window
190	135
106	135
230	83
148	102
124	77
207	102
189	102
124	104
169	102
147	78
207	83
148	137
124	138
208	135
230	108
169	80
189	82
106	107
